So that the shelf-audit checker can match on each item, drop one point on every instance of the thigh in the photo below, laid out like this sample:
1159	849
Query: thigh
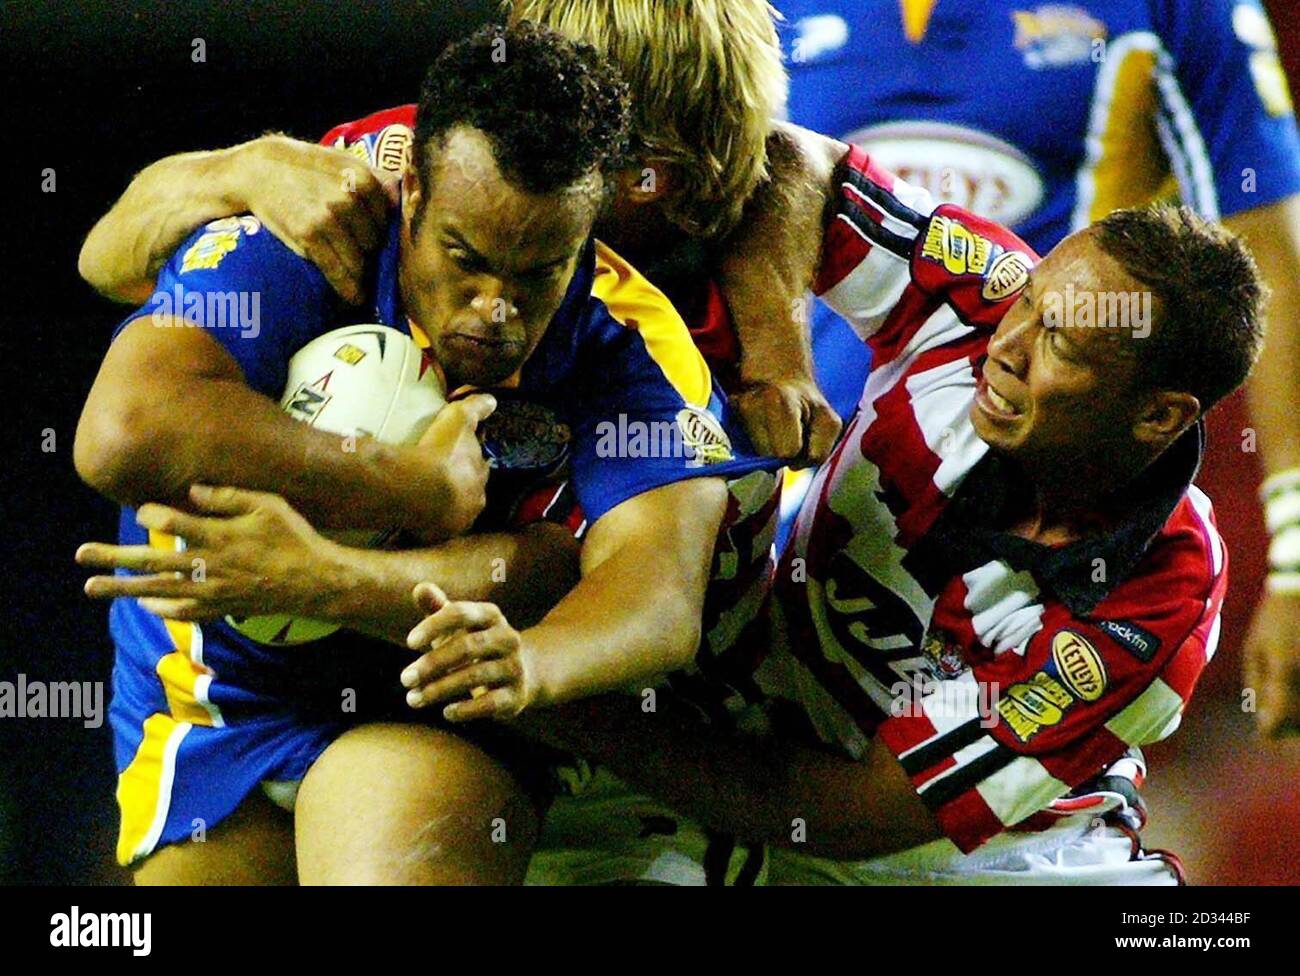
409	804
253	846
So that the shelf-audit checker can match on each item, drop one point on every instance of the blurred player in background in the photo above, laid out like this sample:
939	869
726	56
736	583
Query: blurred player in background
1047	116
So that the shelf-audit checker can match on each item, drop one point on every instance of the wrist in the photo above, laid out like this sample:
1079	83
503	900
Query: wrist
544	689
236	173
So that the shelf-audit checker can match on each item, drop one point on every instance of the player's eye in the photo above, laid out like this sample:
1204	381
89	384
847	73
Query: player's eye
464	259
542	274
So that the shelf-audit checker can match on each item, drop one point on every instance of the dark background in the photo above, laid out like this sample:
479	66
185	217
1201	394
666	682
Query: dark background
96	92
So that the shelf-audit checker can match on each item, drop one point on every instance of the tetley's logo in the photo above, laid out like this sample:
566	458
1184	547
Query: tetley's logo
1079	665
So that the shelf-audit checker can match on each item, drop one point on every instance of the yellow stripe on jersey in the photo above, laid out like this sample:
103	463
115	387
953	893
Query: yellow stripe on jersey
1131	169
180	675
635	303
916	18
181	670
144	787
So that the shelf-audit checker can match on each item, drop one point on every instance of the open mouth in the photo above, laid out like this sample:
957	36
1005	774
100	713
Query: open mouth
993	402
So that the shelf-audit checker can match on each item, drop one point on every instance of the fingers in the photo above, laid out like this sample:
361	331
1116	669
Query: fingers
458	615
228	501
823	431
459	651
179	609
340	260
428	597
465	682
499	703
162	585
477	407
142	559
773	419
377	192
194	529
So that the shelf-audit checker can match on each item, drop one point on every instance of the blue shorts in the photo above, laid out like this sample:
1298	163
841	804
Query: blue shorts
201	717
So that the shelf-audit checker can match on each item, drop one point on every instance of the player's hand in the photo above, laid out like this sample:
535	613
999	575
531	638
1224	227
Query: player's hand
474	660
1272	663
324	203
788	419
452	456
252	553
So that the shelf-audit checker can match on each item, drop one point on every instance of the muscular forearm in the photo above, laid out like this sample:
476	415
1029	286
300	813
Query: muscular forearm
1273	235
625	624
524	573
219	432
163	205
775	252
757	789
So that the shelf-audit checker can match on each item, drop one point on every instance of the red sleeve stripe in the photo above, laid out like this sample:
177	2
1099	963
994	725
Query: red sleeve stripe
859	184
871	222
402	114
919	758
843	249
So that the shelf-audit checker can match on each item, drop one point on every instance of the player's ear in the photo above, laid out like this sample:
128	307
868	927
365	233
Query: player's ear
647	181
1166	414
412	198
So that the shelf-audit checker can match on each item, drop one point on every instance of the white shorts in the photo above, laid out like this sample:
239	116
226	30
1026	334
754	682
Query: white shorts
608	834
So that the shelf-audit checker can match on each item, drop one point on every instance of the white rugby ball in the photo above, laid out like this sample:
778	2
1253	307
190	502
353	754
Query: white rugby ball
360	380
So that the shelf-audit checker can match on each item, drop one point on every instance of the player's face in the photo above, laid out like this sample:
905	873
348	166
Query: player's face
485	265
1059	382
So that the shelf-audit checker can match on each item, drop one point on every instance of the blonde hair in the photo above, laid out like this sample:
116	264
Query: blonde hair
706	80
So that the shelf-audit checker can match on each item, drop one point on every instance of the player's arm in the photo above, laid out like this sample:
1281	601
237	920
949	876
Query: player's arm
759	789
170	408
322	202
633	617
260	556
766	269
1272	652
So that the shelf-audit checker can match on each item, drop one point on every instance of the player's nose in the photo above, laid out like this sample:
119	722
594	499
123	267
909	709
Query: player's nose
492	305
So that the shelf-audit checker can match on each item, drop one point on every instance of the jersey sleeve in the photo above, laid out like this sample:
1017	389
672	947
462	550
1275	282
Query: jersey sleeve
382	140
1032	724
648	412
891	258
258	299
1227	119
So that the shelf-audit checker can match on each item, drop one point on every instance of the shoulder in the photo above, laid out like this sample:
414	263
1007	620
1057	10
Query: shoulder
629	312
979	266
382	139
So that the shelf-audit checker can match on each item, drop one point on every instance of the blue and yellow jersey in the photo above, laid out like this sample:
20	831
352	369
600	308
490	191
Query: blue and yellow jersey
1046	116
201	714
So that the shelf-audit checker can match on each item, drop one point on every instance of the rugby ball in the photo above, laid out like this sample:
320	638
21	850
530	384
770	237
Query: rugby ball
360	380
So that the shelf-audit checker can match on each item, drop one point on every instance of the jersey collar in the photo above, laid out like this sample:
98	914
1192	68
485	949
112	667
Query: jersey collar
1069	571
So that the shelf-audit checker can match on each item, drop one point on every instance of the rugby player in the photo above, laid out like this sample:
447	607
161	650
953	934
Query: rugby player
706	81
1086	107
1003	581
203	717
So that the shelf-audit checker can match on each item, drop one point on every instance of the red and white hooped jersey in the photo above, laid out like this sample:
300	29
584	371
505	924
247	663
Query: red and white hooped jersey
1001	673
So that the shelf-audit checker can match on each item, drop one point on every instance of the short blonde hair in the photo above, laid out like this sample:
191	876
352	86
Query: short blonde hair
706	80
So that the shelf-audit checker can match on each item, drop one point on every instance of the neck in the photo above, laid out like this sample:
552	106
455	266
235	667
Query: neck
639	234
1067	498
